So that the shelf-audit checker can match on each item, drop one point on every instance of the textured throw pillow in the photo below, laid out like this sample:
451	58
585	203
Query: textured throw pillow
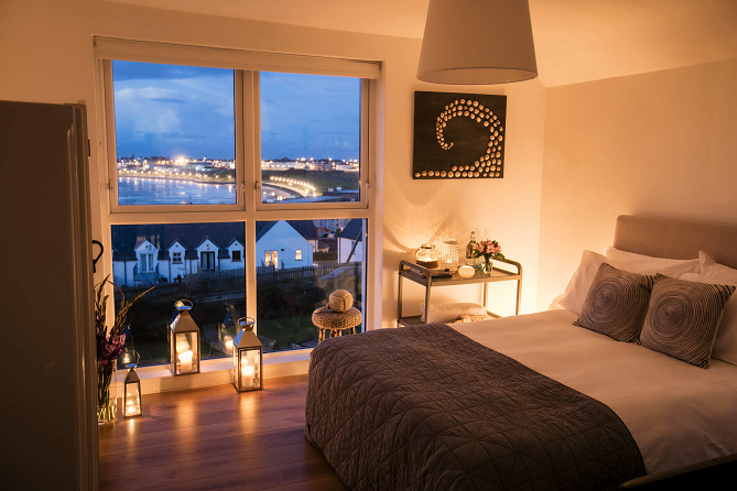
725	346
683	317
616	303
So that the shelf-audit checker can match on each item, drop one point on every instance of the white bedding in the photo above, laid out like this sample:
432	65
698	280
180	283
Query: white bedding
677	413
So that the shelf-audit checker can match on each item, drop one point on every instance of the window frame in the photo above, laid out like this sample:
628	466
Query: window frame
248	209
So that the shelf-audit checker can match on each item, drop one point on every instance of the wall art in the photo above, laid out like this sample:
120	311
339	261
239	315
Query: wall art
459	136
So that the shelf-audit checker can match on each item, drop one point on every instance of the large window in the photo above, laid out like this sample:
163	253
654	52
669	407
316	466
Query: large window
210	165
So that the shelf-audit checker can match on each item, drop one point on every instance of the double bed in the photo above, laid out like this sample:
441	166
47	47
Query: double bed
523	402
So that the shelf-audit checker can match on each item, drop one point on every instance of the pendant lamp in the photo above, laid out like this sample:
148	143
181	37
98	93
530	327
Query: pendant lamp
477	42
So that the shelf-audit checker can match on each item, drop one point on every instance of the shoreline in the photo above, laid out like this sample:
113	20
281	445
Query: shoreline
176	178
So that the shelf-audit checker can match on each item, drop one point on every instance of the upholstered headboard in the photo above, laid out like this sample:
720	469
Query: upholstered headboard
677	239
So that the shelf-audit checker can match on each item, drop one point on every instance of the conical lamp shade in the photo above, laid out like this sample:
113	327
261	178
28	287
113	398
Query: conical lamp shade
477	42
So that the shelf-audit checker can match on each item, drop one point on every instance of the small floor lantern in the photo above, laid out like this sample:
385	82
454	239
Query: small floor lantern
184	340
247	356
132	405
132	394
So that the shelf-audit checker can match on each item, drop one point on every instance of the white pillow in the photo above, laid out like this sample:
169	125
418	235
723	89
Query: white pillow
575	294
449	312
640	263
725	346
579	284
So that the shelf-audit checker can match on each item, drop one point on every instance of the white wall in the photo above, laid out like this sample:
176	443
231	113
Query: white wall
660	144
47	56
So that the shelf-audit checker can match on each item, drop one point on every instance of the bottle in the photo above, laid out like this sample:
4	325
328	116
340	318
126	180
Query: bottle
470	248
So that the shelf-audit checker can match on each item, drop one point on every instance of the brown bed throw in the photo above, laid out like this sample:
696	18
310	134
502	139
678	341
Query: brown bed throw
426	408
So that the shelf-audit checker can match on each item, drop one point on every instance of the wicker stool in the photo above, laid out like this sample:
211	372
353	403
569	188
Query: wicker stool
337	315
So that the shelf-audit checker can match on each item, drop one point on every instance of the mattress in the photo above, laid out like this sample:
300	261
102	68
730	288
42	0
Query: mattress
677	413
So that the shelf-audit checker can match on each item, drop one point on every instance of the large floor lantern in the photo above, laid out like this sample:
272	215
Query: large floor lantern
247	355
132	405
184	340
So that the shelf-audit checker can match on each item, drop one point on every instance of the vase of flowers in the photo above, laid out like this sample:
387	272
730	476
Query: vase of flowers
110	343
488	250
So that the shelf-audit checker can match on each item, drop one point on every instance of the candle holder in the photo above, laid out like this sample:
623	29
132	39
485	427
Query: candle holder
450	255
247	357
132	405
184	340
427	256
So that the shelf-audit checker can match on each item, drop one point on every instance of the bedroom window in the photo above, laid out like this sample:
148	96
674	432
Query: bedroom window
201	146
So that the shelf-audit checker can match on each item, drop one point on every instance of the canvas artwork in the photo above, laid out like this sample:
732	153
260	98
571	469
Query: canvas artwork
459	136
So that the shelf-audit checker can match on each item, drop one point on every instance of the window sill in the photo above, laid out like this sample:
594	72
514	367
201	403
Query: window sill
159	378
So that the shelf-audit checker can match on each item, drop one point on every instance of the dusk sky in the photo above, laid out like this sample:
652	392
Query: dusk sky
188	111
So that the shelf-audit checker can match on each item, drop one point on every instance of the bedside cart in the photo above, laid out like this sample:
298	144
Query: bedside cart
423	276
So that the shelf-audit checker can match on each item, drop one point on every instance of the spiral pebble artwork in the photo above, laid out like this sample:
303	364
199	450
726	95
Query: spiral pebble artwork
478	158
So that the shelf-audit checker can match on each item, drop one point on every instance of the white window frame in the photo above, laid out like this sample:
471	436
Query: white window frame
248	209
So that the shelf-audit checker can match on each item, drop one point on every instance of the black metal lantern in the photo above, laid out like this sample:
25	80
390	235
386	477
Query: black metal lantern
132	405
184	340
132	395
247	356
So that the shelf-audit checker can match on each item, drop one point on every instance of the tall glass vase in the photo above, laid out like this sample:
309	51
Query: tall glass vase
107	394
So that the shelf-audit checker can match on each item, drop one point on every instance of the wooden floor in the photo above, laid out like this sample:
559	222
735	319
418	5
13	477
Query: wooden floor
215	438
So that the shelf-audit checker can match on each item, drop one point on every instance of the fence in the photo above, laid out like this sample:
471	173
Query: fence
225	280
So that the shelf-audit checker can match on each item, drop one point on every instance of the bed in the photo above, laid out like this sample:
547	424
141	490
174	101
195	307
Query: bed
524	402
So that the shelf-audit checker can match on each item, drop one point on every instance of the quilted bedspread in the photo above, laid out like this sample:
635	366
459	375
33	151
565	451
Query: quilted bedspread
426	408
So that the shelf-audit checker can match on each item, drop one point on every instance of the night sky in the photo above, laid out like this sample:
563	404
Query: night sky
168	110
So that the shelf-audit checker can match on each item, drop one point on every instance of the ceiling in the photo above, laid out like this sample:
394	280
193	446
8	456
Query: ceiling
575	40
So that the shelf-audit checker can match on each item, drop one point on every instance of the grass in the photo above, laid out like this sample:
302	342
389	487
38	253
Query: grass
286	330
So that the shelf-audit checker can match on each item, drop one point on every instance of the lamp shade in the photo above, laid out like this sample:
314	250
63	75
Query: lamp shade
477	42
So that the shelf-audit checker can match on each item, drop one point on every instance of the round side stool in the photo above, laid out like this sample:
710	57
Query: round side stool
335	322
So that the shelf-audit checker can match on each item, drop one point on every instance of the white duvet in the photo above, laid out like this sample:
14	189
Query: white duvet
677	413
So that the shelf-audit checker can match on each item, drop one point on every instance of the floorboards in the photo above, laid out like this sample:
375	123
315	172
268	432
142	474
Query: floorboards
216	439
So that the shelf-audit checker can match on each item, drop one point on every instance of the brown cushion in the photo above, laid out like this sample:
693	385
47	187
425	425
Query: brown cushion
616	303
683	317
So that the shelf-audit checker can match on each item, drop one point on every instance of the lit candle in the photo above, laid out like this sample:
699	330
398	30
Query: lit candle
185	361
247	375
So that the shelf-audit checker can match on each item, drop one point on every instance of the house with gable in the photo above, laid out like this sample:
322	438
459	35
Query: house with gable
350	242
282	245
144	255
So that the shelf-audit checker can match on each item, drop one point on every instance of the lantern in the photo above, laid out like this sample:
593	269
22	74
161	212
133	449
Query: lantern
450	253
132	385
184	340
427	256
247	353
132	394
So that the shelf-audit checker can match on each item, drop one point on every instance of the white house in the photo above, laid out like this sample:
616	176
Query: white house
280	245
140	254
